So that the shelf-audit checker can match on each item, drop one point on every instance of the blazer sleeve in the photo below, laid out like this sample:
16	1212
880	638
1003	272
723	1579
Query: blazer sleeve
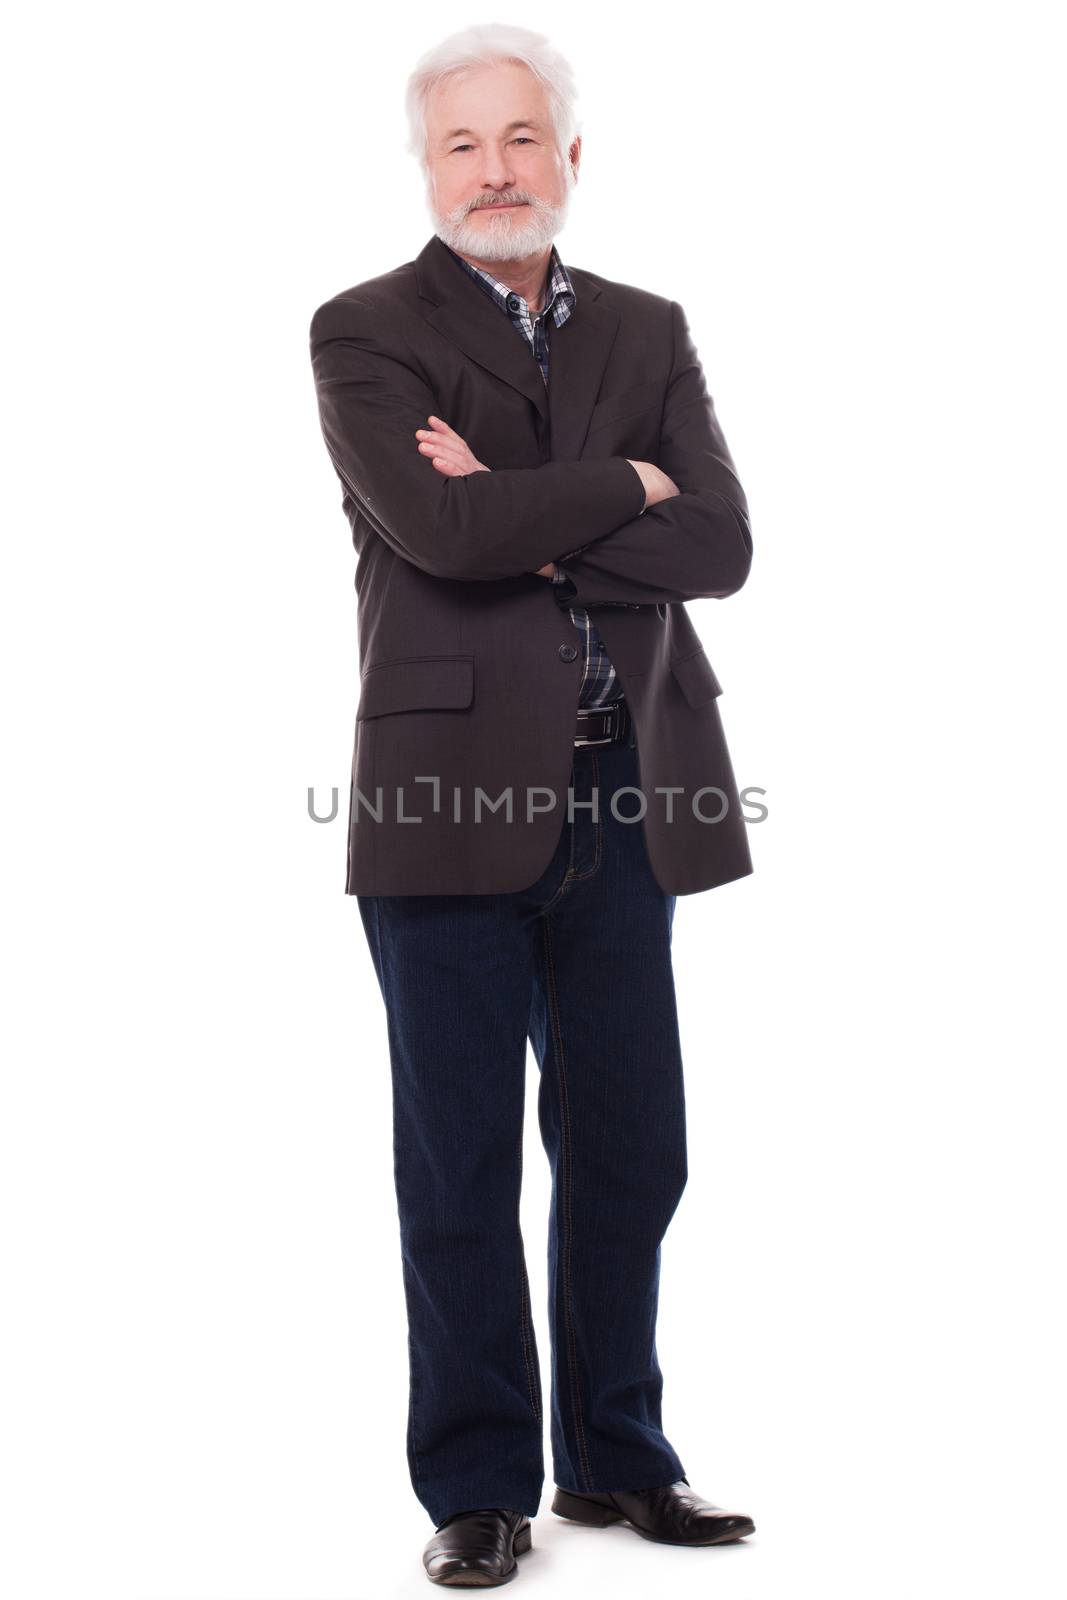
372	395
696	544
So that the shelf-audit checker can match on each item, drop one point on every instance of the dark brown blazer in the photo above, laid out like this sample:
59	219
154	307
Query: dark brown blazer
469	674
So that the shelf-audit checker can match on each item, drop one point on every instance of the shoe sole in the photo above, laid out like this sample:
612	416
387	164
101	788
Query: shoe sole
473	1579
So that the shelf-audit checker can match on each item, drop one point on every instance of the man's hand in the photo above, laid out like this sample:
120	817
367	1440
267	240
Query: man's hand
657	484
450	454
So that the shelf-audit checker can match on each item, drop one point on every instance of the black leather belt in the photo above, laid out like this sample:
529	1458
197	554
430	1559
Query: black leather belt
605	725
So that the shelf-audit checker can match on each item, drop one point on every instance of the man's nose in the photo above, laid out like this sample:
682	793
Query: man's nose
496	170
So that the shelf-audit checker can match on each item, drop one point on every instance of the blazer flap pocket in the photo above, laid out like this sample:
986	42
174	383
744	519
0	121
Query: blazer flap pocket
696	676
416	683
641	397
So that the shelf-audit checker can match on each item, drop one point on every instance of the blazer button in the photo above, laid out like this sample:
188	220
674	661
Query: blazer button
568	651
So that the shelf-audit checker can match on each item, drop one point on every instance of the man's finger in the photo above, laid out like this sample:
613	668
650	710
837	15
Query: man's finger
437	423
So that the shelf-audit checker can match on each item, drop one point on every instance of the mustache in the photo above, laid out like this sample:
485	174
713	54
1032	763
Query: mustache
503	200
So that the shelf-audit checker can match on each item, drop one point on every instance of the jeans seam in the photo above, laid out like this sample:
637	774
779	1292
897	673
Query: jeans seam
568	874
412	1363
578	877
524	1310
567	1188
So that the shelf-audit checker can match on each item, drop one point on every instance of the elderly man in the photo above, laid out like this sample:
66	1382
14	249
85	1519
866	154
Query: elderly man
536	483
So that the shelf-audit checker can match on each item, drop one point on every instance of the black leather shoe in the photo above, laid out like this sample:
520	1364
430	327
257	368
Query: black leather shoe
475	1548
670	1515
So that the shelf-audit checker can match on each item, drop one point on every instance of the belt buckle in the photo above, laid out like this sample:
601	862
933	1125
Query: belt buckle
611	712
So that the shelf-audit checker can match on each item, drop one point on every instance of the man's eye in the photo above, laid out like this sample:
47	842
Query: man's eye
522	139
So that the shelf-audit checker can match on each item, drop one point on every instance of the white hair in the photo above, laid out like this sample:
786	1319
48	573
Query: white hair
483	45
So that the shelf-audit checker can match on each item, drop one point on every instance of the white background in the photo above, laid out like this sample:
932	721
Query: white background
861	1329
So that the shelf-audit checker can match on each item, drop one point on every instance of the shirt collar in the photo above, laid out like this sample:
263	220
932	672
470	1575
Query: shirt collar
559	299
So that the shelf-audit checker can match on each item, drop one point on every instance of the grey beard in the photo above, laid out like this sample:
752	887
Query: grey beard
506	238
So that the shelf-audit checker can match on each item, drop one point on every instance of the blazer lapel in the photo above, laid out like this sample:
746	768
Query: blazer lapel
578	354
578	351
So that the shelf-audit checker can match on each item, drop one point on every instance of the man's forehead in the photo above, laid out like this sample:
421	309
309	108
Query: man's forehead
525	104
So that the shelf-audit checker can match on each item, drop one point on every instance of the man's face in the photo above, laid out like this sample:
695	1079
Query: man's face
496	185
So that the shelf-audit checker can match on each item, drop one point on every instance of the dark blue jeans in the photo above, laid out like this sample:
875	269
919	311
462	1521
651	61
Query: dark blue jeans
579	962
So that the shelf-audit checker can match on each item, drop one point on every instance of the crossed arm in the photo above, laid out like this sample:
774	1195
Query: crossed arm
453	456
463	520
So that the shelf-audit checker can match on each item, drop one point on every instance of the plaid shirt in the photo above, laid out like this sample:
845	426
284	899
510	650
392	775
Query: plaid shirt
600	685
